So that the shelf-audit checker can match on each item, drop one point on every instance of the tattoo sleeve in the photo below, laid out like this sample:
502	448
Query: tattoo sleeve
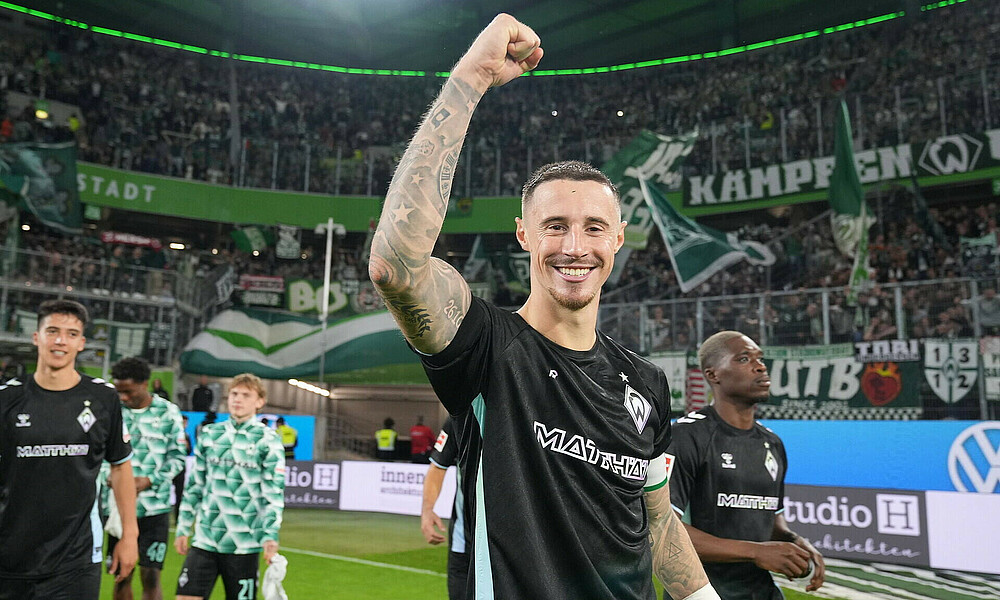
427	297
675	562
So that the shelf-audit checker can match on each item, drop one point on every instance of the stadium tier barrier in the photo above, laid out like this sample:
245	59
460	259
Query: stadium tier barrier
922	494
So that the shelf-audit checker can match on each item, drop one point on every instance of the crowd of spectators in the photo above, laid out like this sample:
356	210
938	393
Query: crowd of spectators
171	112
152	109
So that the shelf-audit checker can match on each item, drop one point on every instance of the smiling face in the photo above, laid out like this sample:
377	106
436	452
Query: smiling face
244	403
740	374
572	230
59	339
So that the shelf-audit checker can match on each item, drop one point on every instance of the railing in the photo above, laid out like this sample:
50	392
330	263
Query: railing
108	277
342	436
944	308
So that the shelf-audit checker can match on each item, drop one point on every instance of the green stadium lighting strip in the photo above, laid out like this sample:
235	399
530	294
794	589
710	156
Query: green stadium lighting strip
536	73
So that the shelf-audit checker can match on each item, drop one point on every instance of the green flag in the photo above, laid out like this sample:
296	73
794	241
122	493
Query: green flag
659	158
850	219
697	252
43	178
845	193
249	239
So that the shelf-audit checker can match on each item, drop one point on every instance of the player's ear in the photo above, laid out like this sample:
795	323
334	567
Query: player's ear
520	234
710	375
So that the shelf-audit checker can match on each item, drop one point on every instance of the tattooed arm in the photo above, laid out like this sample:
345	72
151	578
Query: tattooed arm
675	562
427	297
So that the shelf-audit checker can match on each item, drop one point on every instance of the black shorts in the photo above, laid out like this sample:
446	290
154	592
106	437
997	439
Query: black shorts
153	534
79	584
201	568
458	575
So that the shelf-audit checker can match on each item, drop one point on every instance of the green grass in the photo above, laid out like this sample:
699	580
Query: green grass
355	555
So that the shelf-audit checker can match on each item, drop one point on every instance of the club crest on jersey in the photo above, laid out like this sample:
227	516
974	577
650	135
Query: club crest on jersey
727	461
771	464
86	418
637	406
23	420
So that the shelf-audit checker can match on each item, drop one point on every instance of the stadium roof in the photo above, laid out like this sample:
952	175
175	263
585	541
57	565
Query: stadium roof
430	35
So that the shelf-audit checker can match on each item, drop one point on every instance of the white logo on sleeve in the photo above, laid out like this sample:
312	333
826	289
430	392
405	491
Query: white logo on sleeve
441	442
637	406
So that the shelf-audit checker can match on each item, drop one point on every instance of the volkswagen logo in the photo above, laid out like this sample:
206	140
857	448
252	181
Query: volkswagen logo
974	459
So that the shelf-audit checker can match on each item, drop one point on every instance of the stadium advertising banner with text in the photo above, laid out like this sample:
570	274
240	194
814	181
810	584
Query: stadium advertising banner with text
310	484
949	155
391	487
829	382
860	524
129	190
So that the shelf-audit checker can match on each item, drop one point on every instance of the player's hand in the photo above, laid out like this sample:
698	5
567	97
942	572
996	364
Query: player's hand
786	558
432	527
270	549
181	544
819	571
142	483
504	50
124	557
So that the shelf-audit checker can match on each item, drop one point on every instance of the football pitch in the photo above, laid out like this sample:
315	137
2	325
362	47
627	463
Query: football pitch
373	556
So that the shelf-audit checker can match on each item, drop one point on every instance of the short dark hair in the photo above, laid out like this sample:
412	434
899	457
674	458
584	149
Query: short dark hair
62	307
133	368
573	170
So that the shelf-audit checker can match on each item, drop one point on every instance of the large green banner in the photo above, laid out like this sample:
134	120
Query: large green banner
828	382
104	186
948	155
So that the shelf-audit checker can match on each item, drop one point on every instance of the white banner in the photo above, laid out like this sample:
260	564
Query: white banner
391	487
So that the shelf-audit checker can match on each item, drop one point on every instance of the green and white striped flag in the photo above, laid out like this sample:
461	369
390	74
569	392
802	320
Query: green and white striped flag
850	219
280	345
697	252
249	239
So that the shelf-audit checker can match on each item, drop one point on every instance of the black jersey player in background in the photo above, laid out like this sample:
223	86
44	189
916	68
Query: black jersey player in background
728	472
568	477
56	427
446	453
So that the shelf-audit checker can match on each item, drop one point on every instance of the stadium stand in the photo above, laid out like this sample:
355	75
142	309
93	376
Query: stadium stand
156	110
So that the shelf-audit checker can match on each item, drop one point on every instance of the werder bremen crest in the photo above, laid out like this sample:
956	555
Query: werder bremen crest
950	367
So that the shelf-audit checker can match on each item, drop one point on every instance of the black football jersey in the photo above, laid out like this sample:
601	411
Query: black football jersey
556	471
51	447
446	453
731	484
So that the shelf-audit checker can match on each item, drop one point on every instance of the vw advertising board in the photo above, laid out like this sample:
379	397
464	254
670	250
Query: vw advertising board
947	456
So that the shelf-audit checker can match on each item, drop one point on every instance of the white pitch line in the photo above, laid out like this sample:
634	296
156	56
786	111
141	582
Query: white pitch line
361	561
901	593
